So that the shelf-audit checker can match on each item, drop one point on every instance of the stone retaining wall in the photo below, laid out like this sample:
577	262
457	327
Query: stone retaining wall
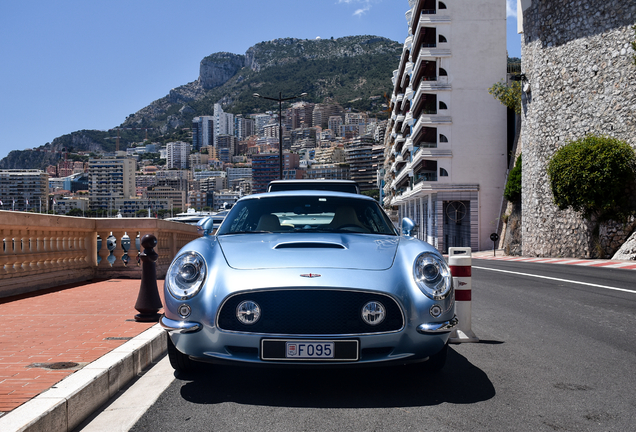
579	63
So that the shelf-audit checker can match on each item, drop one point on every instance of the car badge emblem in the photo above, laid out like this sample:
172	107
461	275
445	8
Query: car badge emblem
310	275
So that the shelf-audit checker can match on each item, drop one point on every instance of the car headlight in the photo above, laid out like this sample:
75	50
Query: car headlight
432	275
186	275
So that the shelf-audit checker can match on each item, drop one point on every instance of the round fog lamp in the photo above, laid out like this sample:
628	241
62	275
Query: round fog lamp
373	313
184	311
248	312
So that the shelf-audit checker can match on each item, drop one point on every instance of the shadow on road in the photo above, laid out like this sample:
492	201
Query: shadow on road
459	382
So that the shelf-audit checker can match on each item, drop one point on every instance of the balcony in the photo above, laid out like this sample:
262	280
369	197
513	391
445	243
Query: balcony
45	251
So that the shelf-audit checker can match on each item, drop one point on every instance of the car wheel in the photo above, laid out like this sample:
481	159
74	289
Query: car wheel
437	361
179	361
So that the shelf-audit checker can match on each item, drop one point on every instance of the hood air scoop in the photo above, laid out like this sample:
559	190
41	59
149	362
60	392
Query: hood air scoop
309	245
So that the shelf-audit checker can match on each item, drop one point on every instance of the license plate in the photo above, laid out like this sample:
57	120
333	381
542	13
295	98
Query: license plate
309	350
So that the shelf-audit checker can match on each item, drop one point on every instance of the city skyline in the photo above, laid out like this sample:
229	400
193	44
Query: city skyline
87	65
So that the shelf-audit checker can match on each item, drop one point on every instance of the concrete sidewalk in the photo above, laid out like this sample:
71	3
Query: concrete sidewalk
65	352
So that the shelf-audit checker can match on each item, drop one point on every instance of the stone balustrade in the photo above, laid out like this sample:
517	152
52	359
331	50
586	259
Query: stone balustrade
42	251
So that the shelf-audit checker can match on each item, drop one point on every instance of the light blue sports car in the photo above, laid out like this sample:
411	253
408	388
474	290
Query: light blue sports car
311	278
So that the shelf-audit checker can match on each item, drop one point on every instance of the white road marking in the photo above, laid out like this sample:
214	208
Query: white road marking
558	280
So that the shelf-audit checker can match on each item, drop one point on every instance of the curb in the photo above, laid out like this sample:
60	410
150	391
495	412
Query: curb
65	405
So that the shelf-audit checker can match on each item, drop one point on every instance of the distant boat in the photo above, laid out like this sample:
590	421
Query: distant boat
192	217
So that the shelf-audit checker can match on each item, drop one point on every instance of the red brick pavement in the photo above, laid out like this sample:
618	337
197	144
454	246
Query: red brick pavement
71	324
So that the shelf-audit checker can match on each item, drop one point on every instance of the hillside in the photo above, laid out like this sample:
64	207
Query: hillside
354	71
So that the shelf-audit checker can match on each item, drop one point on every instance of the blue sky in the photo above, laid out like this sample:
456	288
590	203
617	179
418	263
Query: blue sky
87	64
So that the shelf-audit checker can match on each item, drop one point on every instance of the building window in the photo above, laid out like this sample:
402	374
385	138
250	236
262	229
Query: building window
442	105
442	72
442	39
441	5
442	138
443	172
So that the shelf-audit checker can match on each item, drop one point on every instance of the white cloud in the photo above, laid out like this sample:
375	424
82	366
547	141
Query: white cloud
511	8
365	6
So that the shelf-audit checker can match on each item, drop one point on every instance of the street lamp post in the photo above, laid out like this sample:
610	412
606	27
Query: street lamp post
280	101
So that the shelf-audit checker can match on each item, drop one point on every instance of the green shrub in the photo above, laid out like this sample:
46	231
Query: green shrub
591	175
513	186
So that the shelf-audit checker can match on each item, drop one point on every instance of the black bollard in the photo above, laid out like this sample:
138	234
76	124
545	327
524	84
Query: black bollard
148	301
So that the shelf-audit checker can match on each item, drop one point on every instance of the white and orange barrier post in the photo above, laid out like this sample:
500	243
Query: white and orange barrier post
460	262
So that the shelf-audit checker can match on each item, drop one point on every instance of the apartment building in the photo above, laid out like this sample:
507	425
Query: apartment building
223	123
166	193
446	140
177	155
130	207
363	156
24	190
202	132
243	127
110	179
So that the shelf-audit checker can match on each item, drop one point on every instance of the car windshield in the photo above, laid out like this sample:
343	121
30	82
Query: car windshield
316	213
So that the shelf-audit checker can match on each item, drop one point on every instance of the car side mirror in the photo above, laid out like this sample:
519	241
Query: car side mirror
408	226
206	227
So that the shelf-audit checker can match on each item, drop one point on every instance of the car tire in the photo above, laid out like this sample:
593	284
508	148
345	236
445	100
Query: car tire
179	361
437	361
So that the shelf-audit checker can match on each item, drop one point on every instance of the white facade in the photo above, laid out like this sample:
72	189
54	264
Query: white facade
446	141
223	123
177	155
110	179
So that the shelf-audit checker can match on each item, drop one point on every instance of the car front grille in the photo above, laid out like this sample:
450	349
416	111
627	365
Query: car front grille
310	312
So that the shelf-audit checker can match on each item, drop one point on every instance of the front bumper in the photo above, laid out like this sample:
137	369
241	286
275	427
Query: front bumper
208	344
434	328
173	326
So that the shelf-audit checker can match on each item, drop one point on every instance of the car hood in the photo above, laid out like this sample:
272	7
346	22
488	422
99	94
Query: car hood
297	250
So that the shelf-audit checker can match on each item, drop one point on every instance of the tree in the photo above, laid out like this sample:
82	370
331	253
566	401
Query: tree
75	212
508	95
513	186
592	175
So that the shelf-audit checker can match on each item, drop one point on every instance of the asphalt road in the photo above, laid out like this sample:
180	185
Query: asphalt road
554	355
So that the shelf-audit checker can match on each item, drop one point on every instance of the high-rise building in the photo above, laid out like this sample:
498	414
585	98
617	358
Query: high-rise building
300	115
202	132
243	127
446	142
223	123
265	168
361	156
334	124
323	111
226	145
23	190
260	121
110	179
177	155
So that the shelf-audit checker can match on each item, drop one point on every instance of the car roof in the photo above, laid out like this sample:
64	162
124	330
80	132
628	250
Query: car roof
320	184
309	193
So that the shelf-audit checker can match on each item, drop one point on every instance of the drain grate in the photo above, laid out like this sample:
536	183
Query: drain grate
54	366
118	338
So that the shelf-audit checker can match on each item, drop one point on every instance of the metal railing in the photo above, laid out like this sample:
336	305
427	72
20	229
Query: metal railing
42	251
